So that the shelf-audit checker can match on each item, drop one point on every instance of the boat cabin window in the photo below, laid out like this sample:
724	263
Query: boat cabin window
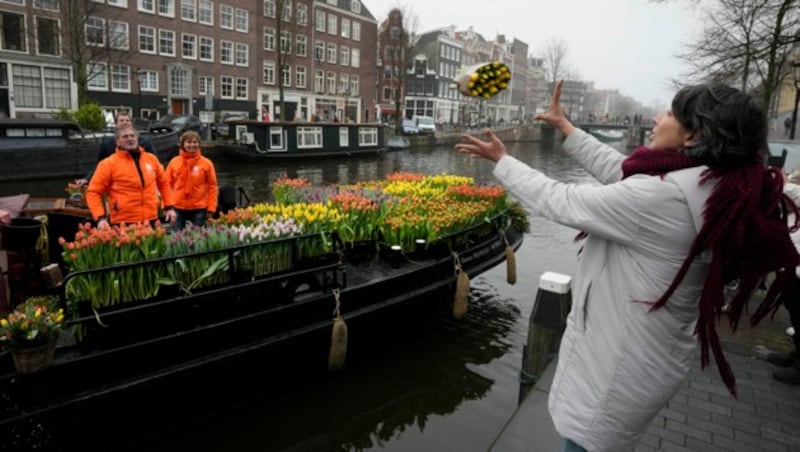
367	136
276	138
33	132
309	137
344	137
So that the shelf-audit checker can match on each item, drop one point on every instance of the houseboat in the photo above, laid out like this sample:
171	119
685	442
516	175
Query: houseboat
137	329
46	148
253	141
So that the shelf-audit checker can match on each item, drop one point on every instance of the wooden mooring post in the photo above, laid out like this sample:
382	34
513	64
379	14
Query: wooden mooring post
545	327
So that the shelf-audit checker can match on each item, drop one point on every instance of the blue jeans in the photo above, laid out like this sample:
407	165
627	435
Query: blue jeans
196	217
570	446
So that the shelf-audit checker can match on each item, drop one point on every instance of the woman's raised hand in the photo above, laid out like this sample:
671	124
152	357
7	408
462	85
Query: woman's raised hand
555	113
491	149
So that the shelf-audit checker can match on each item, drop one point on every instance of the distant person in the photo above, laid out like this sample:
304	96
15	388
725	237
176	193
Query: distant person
194	183
109	145
787	125
667	229
132	178
265	113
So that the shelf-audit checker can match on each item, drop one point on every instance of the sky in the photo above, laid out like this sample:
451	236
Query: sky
629	45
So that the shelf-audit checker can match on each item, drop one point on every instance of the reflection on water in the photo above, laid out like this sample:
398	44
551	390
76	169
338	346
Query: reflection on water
413	382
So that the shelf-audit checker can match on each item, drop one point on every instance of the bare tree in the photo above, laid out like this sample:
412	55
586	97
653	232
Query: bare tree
396	36
745	43
555	53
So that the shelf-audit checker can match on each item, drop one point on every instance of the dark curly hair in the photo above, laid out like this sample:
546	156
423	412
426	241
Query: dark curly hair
729	126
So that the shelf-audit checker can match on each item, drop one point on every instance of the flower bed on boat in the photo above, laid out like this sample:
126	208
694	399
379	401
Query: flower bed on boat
304	222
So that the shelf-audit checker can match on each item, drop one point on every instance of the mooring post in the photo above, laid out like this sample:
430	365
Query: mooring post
545	327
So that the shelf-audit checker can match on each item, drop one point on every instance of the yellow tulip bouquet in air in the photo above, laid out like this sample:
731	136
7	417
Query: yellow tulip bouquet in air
484	79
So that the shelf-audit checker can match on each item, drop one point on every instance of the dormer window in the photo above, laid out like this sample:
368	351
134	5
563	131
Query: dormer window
355	6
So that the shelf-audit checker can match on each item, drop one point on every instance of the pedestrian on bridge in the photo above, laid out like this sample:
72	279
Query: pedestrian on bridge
669	227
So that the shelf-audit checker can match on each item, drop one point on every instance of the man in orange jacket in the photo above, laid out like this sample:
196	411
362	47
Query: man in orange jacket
132	178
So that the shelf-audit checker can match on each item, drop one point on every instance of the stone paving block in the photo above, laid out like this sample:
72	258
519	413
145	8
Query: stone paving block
672	447
791	440
644	448
693	393
648	439
708	406
667	435
711	387
740	420
737	404
673	415
689	430
714	428
692	411
758	441
733	444
697	445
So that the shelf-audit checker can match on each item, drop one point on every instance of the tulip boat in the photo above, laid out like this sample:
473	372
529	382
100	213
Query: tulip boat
124	351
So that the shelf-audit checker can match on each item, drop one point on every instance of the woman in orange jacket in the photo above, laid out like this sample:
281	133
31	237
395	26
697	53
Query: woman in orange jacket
194	183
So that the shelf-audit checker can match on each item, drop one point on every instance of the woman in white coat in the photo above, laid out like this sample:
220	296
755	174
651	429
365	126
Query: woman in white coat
670	225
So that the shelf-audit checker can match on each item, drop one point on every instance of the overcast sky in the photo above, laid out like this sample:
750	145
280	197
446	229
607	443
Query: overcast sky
624	44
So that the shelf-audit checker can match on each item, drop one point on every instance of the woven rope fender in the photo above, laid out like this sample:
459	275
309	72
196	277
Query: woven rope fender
483	79
461	298
511	263
338	337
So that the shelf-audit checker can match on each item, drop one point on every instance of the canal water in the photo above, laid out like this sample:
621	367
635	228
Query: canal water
420	381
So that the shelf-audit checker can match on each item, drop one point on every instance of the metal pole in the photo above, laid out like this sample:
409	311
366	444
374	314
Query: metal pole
794	113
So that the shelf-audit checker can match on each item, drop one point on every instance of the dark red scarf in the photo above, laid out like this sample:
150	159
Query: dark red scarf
745	228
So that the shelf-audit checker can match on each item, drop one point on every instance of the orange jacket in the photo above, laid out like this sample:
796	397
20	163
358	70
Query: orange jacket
132	196
193	181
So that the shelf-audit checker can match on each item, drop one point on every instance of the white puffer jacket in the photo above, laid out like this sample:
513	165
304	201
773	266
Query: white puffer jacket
619	363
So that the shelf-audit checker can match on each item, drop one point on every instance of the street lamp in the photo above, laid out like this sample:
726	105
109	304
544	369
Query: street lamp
796	75
141	75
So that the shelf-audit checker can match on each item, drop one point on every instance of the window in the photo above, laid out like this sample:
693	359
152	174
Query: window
189	46
205	12
355	58
344	137
344	82
47	36
309	137
269	38
302	15
241	88
300	45
50	5
300	76
319	82
332	20
331	82
286	75
118	35
120	78
355	6
269	8
276	138
226	83
119	3
367	136
286	42
269	72
356	31
13	31
189	10
331	53
147	39
56	88
226	17
166	42
286	14
205	84
320	23
319	51
97	77
147	6
95	29
28	86
166	8
149	81
344	57
226	52
387	93
242	54
206	48
345	28
241	20
179	82
355	86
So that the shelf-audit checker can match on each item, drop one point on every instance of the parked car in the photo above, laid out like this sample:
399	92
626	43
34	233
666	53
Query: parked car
425	125
219	129
409	128
182	123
